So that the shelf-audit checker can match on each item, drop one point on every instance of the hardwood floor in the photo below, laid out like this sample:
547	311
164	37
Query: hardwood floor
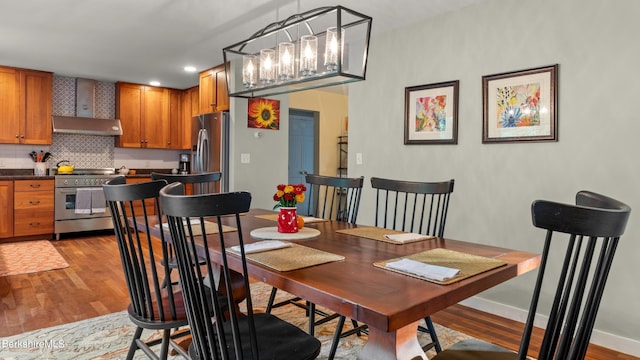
93	285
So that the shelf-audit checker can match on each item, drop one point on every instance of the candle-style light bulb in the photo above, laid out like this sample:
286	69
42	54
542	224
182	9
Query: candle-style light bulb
308	55
331	60
249	74
267	71
285	60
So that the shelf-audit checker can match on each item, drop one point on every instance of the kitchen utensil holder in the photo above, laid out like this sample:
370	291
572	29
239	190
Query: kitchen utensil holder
40	169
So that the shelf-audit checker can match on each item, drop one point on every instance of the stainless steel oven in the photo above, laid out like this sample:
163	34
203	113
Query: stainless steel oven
67	219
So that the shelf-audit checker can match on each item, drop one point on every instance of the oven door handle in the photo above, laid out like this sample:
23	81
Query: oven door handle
66	191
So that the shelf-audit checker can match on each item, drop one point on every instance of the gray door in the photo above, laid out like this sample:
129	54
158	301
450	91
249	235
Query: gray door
303	148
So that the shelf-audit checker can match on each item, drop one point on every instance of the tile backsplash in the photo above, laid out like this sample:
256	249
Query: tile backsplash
86	151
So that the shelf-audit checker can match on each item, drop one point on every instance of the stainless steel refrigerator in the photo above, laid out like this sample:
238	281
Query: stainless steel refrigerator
210	145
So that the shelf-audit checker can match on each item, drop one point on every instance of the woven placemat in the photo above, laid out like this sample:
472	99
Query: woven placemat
308	219
376	233
292	258
468	264
210	227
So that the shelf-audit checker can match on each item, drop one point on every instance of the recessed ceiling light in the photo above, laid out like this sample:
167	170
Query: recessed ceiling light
154	83
190	68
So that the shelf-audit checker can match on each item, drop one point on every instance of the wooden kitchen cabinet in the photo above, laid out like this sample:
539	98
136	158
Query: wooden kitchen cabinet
213	90
33	207
177	122
25	106
194	98
190	108
6	210
144	112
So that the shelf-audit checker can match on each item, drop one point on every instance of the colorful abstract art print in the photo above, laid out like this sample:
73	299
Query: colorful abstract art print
520	106
263	114
431	114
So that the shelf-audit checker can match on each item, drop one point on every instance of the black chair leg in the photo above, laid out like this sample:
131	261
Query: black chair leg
431	330
312	318
272	298
356	326
164	348
336	338
134	344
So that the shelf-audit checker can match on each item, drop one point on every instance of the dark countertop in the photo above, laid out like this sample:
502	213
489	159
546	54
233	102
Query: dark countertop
27	174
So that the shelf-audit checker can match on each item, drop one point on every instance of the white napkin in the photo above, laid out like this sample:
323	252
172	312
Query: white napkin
260	246
311	219
407	237
432	272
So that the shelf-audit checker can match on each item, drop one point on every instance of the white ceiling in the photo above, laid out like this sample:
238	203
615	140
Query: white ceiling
143	40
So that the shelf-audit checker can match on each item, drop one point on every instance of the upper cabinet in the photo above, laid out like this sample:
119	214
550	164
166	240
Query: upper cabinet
144	112
25	106
177	129
213	90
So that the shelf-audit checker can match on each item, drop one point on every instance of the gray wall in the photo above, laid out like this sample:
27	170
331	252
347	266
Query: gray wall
595	44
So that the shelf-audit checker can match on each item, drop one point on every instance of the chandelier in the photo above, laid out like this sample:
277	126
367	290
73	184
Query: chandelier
317	48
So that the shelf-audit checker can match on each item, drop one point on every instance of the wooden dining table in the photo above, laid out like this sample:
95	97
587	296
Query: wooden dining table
390	303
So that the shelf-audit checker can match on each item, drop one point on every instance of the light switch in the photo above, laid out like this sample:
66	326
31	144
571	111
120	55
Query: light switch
245	158
358	158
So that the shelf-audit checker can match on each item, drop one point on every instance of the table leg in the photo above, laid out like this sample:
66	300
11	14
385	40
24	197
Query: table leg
399	345
237	284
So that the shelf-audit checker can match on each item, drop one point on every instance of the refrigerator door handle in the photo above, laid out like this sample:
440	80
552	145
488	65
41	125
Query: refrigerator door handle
197	161
205	151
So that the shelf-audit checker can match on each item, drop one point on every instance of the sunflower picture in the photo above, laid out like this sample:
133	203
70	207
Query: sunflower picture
264	114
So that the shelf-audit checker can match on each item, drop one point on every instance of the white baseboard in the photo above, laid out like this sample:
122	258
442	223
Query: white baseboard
601	338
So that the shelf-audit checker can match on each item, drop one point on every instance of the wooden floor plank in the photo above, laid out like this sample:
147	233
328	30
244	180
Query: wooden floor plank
93	285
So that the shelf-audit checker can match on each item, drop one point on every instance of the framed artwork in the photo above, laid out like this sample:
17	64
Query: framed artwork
520	106
263	114
431	114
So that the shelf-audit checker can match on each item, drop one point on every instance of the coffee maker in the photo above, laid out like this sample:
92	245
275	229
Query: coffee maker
184	167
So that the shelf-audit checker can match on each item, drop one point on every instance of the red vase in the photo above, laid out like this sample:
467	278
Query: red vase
287	220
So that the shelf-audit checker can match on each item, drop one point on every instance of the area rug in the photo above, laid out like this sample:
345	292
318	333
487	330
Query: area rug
27	257
109	336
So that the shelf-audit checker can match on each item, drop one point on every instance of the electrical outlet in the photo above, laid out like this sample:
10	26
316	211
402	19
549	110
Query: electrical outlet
245	158
358	158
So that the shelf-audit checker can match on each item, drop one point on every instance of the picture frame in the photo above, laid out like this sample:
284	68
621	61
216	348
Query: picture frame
431	114
263	114
520	105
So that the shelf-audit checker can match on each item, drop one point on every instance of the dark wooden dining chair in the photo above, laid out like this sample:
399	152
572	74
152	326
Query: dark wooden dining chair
200	183
152	305
332	198
228	335
417	207
583	239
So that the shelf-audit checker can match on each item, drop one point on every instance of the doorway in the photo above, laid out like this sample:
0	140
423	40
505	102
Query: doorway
303	148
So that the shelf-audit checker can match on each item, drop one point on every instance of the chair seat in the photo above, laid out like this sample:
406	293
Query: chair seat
475	355
180	318
277	339
147	321
473	349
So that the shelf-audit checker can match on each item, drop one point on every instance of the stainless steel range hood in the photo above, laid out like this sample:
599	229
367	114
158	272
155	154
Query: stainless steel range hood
84	122
86	126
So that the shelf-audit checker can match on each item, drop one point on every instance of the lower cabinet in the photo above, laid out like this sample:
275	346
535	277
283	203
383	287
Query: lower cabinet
33	207
6	210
